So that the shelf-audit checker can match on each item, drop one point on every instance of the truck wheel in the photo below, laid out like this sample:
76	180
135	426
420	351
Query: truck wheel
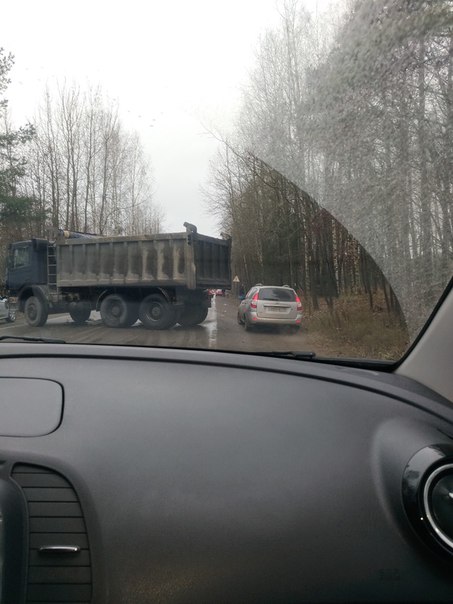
36	311
192	315
132	308
80	311
156	312
117	311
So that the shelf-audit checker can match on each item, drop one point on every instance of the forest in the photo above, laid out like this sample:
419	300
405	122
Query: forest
338	175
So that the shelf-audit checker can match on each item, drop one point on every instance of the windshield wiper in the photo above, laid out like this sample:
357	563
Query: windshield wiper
34	339
299	355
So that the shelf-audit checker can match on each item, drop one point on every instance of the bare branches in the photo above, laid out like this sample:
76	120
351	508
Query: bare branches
360	117
87	170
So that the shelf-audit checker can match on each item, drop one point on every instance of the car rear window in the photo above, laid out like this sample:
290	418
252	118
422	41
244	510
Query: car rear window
280	294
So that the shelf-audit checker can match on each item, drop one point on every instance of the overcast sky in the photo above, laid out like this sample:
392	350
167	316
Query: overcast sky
174	66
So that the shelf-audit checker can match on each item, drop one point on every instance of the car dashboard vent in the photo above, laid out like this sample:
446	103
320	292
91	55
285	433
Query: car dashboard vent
59	566
428	495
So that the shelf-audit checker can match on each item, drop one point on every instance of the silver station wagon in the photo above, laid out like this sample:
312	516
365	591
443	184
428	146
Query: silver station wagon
270	305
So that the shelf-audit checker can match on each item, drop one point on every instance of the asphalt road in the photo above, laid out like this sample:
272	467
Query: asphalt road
219	331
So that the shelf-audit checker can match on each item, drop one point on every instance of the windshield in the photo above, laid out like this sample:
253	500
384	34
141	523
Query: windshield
162	163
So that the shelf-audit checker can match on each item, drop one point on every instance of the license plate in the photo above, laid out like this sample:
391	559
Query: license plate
275	308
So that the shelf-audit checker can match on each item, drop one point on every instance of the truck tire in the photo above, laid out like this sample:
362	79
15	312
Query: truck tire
36	311
192	315
80	311
117	311
132	306
156	312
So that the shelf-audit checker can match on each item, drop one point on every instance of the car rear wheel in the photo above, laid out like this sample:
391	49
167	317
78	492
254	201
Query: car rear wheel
248	326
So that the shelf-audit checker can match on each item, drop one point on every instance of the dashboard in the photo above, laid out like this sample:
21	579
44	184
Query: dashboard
142	475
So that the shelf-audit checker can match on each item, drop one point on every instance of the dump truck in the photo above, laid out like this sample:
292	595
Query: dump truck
161	279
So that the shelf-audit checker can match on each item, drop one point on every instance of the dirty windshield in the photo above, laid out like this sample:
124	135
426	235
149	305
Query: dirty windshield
250	175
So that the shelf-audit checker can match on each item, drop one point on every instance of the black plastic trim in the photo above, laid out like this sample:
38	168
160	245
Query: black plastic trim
425	327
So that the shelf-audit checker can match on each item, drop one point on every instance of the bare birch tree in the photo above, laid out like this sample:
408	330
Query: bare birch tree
86	170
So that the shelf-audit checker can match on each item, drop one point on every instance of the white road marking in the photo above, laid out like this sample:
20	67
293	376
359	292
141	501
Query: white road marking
211	324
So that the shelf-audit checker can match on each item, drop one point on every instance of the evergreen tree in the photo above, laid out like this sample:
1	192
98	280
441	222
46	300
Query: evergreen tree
20	217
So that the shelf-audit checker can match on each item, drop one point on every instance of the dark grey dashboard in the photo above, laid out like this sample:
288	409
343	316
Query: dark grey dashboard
185	476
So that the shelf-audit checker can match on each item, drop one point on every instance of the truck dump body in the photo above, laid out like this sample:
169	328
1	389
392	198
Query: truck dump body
177	259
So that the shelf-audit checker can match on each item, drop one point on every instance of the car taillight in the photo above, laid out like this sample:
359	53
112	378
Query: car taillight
299	304
254	301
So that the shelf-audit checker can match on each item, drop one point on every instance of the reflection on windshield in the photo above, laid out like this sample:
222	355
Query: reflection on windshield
335	178
343	289
362	121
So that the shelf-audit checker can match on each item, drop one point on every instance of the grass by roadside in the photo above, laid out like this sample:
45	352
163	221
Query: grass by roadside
352	329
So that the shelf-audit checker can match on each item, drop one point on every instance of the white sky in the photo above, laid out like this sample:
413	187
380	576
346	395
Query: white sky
172	65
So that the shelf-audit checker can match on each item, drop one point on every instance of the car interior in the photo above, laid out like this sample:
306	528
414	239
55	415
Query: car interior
152	449
139	475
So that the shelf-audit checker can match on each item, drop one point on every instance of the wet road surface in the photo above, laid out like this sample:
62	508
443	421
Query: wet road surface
219	331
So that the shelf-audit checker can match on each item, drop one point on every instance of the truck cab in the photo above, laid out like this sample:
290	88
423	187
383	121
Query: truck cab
27	264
